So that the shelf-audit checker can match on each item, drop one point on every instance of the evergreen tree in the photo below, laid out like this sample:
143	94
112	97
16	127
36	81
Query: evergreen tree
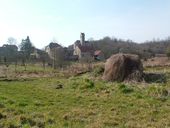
26	47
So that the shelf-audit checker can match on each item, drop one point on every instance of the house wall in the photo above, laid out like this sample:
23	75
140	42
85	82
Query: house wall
86	57
85	54
47	49
81	54
77	52
50	52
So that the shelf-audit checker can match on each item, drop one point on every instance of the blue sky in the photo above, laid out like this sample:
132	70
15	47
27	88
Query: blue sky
63	20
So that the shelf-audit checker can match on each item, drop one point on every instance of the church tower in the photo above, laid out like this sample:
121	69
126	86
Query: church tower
82	39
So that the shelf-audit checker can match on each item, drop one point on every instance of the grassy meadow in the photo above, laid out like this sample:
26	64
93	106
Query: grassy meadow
83	101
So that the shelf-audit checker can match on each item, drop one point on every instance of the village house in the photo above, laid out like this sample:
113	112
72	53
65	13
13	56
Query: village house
51	48
10	47
39	55
83	49
54	49
9	52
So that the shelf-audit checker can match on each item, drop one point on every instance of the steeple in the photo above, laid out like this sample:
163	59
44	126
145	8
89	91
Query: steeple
82	39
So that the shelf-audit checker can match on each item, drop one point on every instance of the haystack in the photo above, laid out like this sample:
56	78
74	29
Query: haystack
120	67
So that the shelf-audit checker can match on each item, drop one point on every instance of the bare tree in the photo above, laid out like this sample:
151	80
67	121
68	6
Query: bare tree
54	40
12	41
6	66
168	53
87	59
44	58
58	57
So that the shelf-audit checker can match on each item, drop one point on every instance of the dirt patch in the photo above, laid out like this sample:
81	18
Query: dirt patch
157	61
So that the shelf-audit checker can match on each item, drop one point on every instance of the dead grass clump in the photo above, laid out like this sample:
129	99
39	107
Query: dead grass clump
120	67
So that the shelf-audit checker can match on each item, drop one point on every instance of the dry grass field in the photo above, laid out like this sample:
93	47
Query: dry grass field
157	61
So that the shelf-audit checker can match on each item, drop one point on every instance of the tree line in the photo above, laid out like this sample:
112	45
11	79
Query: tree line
145	50
107	45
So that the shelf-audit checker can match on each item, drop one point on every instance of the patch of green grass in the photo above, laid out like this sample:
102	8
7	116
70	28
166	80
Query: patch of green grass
125	89
99	70
31	68
82	102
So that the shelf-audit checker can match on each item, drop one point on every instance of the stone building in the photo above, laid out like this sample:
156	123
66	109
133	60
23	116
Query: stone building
51	48
82	48
9	52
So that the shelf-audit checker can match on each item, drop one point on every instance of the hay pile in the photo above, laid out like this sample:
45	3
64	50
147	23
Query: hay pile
120	67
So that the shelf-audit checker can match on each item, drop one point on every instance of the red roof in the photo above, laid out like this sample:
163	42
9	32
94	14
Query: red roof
86	48
98	52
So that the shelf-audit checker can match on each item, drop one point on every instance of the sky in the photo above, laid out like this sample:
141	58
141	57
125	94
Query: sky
63	20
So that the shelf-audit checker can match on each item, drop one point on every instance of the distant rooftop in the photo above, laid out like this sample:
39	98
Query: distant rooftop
54	45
